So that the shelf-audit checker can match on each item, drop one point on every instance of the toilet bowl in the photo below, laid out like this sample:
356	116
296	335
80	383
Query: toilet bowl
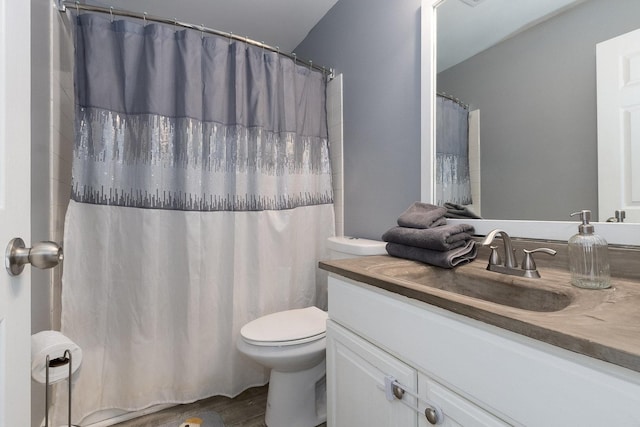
293	345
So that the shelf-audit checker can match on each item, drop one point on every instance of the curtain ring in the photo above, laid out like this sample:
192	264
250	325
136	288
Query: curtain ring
111	13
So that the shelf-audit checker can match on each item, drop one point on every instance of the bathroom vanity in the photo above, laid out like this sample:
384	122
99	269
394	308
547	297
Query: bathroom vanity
414	345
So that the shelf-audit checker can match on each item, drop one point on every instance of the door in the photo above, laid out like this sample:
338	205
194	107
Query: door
618	90
15	146
356	372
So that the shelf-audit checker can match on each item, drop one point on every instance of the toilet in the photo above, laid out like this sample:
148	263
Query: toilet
293	344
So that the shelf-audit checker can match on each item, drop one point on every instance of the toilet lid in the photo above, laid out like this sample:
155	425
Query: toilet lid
286	327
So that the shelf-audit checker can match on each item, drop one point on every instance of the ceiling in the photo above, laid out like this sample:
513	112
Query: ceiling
465	30
281	23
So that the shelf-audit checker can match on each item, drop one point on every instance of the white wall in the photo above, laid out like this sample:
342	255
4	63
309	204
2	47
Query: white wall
335	124
52	115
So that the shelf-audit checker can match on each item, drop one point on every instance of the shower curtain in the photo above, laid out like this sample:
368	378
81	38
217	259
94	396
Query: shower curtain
201	200
453	184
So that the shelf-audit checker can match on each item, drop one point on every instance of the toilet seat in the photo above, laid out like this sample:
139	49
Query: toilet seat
286	328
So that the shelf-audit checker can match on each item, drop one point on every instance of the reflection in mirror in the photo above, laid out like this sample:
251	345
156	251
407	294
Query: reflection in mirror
453	183
529	78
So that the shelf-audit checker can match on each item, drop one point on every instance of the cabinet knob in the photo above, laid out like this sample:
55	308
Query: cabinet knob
398	392
431	414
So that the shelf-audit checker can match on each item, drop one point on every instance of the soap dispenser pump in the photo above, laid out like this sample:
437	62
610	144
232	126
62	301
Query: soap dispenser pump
588	256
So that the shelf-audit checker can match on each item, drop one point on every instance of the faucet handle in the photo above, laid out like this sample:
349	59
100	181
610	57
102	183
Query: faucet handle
528	263
494	257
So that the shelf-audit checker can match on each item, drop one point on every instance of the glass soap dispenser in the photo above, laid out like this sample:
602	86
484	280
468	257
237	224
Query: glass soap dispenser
588	256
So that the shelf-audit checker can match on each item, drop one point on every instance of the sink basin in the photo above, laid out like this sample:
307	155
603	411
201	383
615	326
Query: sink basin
525	294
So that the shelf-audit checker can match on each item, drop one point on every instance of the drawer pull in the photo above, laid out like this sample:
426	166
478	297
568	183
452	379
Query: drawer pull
398	392
431	414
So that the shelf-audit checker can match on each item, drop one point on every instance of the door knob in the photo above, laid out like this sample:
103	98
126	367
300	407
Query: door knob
42	255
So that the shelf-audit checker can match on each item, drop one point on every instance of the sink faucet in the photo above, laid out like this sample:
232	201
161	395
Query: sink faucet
510	264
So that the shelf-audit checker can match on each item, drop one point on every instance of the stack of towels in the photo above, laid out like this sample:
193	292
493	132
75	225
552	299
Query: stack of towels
423	235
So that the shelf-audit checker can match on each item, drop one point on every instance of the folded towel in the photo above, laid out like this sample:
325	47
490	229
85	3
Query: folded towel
422	215
459	211
448	259
443	238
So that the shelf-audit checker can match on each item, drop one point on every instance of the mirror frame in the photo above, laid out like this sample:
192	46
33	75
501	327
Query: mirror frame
620	234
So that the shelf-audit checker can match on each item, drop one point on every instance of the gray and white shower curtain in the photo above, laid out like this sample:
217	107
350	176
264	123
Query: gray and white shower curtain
453	184
201	200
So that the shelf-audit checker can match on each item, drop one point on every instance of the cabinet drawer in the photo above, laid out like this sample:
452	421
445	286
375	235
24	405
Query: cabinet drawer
457	411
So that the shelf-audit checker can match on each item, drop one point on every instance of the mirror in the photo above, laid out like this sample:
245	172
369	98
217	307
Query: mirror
529	69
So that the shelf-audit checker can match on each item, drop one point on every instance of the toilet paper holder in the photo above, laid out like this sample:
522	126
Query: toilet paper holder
55	363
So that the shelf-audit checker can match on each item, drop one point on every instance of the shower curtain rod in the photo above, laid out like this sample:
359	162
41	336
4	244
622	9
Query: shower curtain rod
63	4
453	98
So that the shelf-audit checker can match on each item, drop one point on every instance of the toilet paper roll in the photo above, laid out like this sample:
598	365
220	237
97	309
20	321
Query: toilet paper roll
54	344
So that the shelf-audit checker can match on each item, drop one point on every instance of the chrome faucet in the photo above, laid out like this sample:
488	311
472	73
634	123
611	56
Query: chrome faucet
510	264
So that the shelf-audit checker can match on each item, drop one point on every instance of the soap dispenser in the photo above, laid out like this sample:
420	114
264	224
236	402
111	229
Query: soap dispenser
588	256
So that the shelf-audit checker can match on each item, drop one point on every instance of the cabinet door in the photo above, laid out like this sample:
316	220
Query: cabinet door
355	383
456	410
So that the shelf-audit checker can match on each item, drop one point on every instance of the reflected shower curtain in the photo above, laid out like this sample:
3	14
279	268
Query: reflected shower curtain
453	183
201	200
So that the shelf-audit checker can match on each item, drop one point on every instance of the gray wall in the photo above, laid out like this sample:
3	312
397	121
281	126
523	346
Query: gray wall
537	98
375	44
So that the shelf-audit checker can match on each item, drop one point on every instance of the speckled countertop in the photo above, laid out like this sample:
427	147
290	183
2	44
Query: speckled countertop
604	324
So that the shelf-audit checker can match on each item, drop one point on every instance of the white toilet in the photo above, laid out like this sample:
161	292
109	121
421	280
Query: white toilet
292	343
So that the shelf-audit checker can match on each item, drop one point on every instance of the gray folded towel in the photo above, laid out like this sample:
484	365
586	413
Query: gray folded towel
459	211
422	215
448	259
443	238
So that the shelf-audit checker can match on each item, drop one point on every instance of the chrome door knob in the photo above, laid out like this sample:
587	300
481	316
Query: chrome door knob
42	255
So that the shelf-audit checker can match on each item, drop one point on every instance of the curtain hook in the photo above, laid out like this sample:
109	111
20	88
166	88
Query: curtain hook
111	13
262	43
310	65
230	37
175	24
78	7
144	18
295	58
201	31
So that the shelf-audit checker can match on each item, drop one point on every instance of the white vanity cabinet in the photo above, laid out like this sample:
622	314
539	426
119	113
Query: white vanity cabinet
356	389
473	373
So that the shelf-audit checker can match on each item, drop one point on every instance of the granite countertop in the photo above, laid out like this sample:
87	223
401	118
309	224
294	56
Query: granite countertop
604	324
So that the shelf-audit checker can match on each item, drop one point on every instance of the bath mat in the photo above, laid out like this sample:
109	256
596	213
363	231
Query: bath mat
197	419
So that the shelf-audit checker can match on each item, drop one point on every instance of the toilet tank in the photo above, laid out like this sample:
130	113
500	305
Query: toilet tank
351	247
